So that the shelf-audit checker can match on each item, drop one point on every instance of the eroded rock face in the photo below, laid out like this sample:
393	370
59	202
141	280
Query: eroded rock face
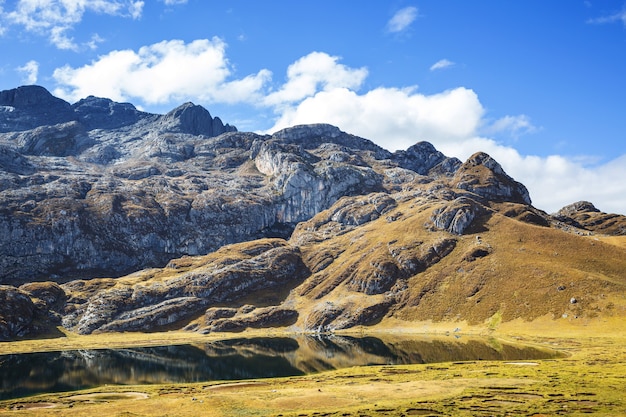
483	176
235	320
30	310
107	189
268	266
17	313
457	215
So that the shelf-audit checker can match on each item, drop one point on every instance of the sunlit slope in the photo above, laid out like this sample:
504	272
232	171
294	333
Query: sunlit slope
499	270
465	248
373	261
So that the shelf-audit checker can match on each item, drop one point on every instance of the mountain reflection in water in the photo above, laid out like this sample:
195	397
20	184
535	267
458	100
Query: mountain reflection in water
236	359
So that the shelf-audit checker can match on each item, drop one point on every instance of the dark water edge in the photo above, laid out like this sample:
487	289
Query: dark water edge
237	359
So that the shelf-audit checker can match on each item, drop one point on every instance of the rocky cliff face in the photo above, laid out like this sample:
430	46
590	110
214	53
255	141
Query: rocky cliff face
102	189
309	227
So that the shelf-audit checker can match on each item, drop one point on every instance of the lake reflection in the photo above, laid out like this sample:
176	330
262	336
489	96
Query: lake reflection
235	359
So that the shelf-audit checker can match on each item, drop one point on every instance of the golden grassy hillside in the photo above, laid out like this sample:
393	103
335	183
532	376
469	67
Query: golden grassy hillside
502	269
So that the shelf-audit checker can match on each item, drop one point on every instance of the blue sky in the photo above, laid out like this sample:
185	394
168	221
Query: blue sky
539	85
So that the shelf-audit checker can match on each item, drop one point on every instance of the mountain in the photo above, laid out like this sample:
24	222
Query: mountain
309	227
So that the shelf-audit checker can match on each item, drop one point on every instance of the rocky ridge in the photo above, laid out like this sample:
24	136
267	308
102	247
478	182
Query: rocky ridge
309	227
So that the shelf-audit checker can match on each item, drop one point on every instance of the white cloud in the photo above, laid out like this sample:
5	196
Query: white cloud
393	118
30	71
515	126
59	38
313	72
441	64
55	18
174	2
616	17
95	40
168	71
402	19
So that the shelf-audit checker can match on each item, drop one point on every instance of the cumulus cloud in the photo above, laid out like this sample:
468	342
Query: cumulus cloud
402	19
55	18
313	72
441	64
164	72
394	118
30	71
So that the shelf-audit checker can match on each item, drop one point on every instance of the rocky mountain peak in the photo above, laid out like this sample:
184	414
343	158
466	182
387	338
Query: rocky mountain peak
103	113
423	157
578	207
482	175
31	106
585	216
195	120
27	96
313	135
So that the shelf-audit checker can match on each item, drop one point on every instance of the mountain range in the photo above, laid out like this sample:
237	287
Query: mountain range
114	219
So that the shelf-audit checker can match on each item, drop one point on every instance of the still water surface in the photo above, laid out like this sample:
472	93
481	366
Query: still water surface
26	374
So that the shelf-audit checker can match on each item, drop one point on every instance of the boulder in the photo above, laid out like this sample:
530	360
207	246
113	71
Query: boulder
457	216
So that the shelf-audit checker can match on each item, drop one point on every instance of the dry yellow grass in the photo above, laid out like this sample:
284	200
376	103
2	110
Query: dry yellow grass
530	271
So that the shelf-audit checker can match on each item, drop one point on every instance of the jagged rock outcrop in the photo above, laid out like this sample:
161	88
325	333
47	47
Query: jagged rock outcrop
226	276
30	310
457	215
194	120
424	159
483	176
28	107
585	216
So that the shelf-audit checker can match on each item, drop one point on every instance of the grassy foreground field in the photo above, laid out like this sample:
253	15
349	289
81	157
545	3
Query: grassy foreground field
589	380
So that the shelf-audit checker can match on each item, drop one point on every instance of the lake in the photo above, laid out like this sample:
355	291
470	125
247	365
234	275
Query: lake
237	359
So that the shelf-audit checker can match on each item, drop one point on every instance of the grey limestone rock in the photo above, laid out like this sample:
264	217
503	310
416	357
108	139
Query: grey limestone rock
28	107
424	158
457	215
195	120
141	307
102	113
